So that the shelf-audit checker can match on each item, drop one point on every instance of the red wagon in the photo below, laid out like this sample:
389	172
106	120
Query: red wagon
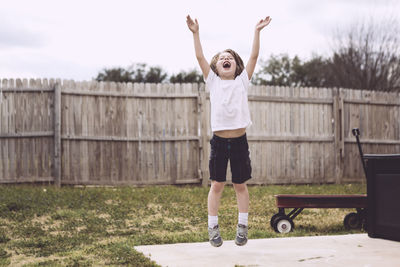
283	223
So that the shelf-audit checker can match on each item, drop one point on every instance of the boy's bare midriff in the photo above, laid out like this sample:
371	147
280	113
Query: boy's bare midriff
230	133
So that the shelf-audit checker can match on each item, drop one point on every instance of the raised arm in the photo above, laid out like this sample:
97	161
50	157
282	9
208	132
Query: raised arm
251	64
194	28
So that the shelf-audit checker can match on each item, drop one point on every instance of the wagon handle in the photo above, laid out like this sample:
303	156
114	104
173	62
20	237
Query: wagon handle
356	133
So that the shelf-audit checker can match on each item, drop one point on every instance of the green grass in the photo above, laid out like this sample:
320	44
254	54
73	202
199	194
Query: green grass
85	226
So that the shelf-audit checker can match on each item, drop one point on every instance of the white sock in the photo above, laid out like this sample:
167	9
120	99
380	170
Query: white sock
243	218
212	221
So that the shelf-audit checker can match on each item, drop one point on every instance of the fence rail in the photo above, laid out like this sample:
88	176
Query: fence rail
95	133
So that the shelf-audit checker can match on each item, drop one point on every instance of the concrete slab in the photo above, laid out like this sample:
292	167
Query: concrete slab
344	250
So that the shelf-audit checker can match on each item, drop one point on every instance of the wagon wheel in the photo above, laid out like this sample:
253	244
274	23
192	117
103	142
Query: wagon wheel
283	224
352	221
273	219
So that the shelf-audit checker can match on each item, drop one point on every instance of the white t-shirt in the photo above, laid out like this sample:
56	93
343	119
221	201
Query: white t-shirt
229	104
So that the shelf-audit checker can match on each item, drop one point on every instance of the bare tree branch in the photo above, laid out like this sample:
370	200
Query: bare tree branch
367	56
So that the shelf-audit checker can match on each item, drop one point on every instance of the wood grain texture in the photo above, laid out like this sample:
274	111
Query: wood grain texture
121	133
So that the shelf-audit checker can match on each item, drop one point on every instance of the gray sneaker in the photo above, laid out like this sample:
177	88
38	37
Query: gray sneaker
241	235
214	236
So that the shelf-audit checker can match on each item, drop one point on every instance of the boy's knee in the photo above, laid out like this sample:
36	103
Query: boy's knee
217	187
240	188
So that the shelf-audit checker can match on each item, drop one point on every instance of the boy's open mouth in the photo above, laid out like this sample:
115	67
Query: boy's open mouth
226	65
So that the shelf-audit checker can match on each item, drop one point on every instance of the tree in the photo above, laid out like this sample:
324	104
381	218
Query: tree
275	71
187	77
155	75
367	57
115	75
313	73
285	71
136	73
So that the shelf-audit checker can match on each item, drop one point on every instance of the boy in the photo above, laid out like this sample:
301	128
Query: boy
228	81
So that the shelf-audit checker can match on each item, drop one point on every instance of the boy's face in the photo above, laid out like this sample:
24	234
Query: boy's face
226	66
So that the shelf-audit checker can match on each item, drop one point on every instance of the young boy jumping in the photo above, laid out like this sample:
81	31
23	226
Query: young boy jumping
228	81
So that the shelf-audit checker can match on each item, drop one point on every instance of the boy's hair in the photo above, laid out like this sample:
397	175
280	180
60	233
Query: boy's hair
238	60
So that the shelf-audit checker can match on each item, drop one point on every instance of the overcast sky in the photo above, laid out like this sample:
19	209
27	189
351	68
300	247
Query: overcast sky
75	39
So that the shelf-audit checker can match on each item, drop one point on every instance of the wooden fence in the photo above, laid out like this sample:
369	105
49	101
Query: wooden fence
70	132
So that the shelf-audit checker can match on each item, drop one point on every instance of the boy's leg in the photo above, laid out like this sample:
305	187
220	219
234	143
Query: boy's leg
242	196
214	197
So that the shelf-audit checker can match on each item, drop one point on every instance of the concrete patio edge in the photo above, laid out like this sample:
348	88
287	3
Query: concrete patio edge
339	250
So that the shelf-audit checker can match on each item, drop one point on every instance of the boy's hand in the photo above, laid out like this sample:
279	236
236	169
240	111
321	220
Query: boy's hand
193	25
262	23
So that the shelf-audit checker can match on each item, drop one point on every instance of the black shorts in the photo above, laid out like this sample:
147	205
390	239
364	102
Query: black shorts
234	149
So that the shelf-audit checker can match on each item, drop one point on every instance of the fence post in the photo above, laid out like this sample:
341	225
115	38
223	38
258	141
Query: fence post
203	135
338	133
57	134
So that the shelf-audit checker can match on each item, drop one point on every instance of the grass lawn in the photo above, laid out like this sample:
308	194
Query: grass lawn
86	226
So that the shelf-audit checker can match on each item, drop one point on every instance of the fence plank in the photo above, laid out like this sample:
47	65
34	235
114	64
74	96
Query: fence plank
57	135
